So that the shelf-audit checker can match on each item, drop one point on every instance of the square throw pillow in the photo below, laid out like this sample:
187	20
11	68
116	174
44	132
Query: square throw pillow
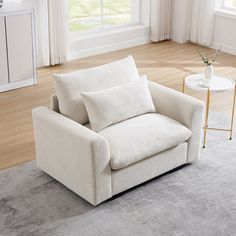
110	106
69	86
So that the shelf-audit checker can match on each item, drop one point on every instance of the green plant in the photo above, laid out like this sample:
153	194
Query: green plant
208	59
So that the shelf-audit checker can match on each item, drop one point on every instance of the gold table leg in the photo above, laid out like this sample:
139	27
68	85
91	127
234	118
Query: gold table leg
207	115
232	117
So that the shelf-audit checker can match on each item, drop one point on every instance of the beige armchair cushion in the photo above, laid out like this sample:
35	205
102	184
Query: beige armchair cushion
119	103
140	137
69	86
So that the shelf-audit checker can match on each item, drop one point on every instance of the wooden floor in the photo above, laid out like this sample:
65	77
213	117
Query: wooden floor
166	63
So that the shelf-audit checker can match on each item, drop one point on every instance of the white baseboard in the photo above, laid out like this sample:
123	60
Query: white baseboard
18	84
224	48
107	48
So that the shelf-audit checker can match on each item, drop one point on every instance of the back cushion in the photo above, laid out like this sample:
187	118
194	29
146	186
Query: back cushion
110	106
69	86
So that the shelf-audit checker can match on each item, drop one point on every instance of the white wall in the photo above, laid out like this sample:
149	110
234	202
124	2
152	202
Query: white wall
224	26
83	46
225	31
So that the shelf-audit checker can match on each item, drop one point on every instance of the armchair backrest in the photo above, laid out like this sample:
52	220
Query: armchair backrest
69	86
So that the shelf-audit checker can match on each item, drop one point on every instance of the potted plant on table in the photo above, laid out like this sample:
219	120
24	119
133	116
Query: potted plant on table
208	60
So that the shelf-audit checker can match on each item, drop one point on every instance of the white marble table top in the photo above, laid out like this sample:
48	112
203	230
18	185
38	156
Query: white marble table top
217	84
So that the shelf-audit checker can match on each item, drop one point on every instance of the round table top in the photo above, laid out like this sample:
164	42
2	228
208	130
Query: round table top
217	84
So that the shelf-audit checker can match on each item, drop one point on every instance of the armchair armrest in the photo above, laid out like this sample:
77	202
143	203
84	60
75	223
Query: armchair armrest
182	108
73	154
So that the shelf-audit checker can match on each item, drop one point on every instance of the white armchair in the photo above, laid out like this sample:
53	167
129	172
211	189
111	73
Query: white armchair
80	158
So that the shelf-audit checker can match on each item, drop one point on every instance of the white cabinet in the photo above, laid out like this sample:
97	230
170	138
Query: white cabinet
17	49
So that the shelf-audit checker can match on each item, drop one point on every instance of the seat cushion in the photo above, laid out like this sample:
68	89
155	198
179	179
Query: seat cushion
69	86
141	137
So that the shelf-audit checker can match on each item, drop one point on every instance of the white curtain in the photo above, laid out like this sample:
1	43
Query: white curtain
51	27
57	31
201	20
160	20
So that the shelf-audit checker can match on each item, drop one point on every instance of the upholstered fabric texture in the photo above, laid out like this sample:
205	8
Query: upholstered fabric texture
119	103
148	168
135	139
73	154
182	108
69	86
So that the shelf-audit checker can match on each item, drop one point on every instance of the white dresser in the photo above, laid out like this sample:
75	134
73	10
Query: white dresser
17	48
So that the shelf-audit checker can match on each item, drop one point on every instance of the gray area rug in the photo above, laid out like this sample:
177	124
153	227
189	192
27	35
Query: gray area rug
196	200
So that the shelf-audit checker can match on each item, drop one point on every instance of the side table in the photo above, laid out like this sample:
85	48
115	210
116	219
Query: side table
217	84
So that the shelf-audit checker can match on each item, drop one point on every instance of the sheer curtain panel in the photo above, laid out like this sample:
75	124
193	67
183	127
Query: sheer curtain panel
57	31
201	18
51	28
160	20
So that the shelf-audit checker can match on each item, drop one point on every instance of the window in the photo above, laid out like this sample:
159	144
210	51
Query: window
229	4
87	15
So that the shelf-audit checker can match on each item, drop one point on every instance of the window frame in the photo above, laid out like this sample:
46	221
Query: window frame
135	20
226	7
